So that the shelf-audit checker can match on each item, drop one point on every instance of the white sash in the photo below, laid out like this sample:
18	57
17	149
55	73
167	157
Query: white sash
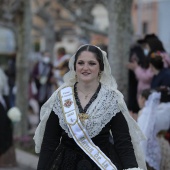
79	133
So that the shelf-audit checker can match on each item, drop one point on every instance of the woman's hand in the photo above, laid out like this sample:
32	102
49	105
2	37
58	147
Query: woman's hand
132	65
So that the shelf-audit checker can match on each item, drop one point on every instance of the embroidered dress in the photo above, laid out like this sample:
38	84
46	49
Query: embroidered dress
69	156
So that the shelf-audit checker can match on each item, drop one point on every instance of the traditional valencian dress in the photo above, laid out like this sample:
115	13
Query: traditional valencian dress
106	121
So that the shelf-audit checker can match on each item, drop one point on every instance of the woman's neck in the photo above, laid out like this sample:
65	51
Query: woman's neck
88	87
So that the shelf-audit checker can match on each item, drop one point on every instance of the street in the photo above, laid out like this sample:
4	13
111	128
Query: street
25	161
20	167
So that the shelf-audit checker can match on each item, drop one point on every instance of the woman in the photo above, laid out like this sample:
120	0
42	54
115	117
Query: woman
140	77
6	131
146	122
136	54
154	44
162	126
161	74
41	75
60	66
154	121
74	132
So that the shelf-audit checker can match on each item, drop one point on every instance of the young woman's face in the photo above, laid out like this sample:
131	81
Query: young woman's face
87	67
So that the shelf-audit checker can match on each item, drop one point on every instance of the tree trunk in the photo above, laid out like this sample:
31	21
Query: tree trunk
49	34
120	38
23	22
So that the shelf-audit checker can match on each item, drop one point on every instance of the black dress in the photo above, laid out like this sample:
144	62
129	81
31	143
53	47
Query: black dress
5	128
65	154
7	151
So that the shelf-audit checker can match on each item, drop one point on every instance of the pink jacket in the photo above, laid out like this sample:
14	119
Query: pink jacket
144	77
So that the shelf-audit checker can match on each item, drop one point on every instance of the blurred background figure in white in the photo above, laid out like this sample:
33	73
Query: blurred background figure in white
60	66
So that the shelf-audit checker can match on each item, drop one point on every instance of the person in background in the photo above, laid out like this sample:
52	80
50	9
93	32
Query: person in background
146	122
164	108
144	45
154	121
143	75
140	77
154	44
7	152
142	98
42	74
162	126
161	74
60	66
76	122
11	74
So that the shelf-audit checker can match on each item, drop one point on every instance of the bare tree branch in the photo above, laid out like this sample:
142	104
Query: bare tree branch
80	11
10	8
37	2
84	8
91	28
37	28
43	13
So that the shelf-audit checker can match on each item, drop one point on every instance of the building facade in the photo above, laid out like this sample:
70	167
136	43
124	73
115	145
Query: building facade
152	16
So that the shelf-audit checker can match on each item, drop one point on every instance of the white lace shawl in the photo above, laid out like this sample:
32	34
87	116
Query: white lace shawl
112	98
100	112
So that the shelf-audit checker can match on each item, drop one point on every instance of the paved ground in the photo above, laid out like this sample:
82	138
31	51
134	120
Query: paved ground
25	161
18	168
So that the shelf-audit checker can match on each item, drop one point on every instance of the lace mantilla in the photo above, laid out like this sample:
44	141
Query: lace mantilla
100	112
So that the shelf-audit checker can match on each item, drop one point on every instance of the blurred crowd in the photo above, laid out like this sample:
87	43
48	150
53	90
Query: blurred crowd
45	77
149	98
